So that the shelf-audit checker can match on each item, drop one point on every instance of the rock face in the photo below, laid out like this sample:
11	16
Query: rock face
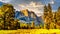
25	12
28	16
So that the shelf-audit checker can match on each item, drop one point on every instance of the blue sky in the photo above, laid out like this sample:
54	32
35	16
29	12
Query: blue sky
34	5
56	4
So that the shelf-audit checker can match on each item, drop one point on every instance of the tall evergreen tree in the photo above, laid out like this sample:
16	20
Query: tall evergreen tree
48	16
58	17
45	16
45	13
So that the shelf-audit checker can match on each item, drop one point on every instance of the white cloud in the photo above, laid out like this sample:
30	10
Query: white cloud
5	1
37	7
33	6
52	2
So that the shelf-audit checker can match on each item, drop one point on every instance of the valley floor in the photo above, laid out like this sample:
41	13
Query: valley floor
31	31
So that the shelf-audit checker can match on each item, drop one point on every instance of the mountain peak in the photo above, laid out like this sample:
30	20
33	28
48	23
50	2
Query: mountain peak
28	16
25	12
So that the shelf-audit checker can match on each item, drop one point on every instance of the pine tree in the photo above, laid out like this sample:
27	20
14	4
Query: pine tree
45	13
58	17
48	16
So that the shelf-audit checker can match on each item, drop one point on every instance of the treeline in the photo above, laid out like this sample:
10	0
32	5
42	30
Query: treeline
51	18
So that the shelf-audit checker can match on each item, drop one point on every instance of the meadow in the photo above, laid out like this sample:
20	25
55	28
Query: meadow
31	31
